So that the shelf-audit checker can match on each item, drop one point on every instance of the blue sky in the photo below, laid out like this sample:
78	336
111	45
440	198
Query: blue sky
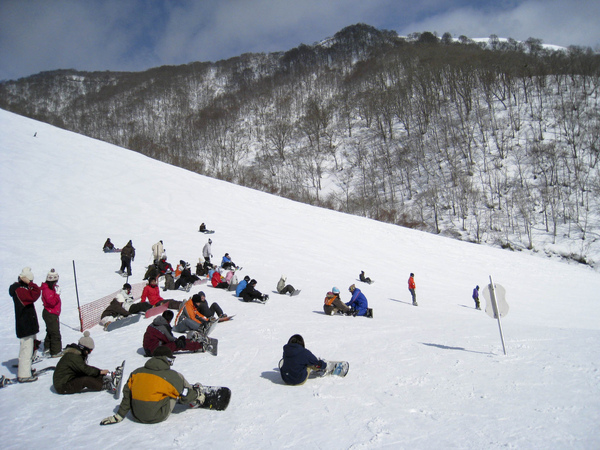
133	35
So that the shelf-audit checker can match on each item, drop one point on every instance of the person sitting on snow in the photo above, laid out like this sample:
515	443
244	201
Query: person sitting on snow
358	302
73	374
364	278
241	286
284	288
250	294
298	362
152	391
186	278
151	293
109	247
227	263
160	333
218	281
196	315
333	304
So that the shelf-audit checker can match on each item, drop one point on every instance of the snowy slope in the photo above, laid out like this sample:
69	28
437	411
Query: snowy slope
433	376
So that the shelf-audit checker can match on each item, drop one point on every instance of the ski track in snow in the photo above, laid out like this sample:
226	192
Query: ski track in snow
432	376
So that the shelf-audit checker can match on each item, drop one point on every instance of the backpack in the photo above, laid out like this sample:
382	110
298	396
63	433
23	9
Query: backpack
169	281
233	283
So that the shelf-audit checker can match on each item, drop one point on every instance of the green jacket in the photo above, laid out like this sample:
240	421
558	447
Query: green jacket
151	391
72	365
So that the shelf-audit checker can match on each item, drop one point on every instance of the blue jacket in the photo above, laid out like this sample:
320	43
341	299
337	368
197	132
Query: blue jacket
225	260
240	287
475	294
358	302
295	361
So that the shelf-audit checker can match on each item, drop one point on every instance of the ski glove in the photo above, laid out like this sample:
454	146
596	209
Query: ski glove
111	419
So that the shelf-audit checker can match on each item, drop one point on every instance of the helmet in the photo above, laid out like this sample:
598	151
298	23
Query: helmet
351	288
335	290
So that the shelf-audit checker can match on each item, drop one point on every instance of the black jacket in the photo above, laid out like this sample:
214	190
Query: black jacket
24	297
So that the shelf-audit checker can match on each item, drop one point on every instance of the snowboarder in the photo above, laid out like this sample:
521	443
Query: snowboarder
109	247
333	304
127	256
284	288
186	278
227	263
241	286
250	294
151	293
160	333
298	362
363	278
196	315
476	297
218	281
73	374
157	251
412	287
207	251
153	390
24	294
128	302
358	302
52	306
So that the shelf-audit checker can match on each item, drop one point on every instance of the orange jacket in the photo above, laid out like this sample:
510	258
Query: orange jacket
190	311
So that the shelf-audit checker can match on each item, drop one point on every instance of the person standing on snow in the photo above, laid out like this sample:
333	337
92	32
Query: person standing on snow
298	362
207	251
476	297
412	287
152	391
24	294
52	307
127	256
157	251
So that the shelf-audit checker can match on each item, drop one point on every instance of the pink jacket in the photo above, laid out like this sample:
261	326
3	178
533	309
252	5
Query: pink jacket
51	300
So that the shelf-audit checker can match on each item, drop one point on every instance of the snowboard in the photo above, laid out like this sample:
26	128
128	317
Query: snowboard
5	381
337	368
207	231
215	397
124	274
296	292
212	347
155	311
226	319
122	322
119	371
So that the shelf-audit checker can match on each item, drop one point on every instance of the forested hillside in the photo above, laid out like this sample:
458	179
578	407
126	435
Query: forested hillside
494	142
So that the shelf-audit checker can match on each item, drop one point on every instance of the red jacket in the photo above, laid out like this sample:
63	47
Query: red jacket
152	293
411	283
51	300
216	278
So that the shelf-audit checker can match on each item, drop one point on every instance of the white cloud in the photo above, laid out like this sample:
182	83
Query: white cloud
554	21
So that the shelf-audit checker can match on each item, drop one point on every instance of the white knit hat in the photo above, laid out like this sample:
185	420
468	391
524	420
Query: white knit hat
86	340
27	274
52	275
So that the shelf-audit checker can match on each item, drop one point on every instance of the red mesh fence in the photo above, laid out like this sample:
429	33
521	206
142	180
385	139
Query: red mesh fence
91	312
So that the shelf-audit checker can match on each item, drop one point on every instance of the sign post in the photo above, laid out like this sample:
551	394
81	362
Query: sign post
496	305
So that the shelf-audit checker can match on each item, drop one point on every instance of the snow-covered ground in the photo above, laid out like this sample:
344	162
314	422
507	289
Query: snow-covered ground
432	376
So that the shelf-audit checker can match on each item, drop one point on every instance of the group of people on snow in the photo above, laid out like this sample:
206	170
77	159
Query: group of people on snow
193	320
